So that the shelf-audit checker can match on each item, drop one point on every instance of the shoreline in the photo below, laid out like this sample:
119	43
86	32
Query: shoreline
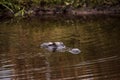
69	13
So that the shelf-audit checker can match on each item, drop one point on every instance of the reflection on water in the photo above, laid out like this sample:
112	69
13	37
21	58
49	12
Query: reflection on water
21	57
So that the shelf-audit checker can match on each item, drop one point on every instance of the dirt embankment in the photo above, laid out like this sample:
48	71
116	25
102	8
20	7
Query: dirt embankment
74	11
69	11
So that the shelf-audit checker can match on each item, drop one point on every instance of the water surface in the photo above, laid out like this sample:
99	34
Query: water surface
21	57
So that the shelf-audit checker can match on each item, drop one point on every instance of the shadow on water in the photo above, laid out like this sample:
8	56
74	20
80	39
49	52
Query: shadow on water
21	57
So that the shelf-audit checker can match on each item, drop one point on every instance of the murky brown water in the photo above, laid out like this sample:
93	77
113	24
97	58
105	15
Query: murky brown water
98	38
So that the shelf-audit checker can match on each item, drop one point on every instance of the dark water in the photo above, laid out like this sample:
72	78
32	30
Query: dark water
97	37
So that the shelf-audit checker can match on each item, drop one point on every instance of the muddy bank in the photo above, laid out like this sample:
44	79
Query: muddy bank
53	12
70	11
